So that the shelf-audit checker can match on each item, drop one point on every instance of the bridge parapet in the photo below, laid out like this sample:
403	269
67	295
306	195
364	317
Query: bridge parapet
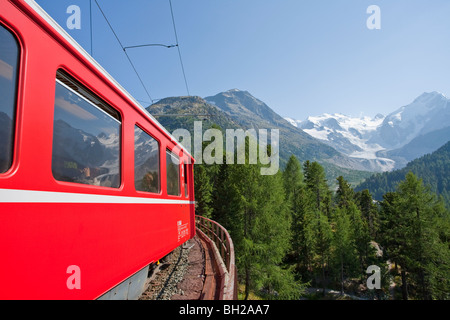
224	255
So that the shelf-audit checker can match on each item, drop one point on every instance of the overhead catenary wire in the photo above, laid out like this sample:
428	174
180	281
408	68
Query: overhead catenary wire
178	47
182	115
124	50
90	25
151	45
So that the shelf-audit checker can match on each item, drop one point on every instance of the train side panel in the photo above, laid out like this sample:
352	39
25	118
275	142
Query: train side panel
46	225
107	246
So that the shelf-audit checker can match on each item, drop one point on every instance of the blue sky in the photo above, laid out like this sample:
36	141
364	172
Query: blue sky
302	58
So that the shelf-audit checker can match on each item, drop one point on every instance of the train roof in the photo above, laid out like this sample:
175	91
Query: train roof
63	33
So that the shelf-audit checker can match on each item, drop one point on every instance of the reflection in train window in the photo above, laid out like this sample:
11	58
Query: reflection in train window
173	174
9	58
146	162
86	137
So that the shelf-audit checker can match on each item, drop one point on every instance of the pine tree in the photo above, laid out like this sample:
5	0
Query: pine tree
203	191
316	182
273	225
394	236
369	211
438	265
309	227
361	239
260	226
420	204
344	244
359	231
298	204
293	178
412	236
317	229
322	248
223	196
344	193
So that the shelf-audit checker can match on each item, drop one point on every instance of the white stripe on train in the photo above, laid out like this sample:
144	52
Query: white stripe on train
30	196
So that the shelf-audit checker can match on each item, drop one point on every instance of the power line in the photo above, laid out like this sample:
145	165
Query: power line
124	50
182	115
152	45
90	24
148	45
178	47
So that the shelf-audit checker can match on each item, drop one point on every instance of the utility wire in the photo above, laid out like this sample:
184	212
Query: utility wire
152	45
148	45
178	47
182	115
90	24
124	50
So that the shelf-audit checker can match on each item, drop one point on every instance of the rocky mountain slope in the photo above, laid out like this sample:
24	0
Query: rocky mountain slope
251	112
237	109
389	142
433	168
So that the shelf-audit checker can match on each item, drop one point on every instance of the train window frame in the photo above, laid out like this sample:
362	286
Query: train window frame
76	87
186	181
170	154
10	146
138	126
66	79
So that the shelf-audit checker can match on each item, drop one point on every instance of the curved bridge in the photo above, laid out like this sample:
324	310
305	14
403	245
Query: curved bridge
220	269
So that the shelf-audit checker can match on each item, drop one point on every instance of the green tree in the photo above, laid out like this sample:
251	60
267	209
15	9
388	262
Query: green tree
438	266
273	225
207	181
368	210
422	210
394	236
316	182
297	200
223	196
358	228
203	191
260	226
344	245
361	239
309	226
344	193
322	248
411	218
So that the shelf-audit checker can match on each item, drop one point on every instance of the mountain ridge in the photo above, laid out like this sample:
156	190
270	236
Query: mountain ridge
382	140
253	115
251	112
432	168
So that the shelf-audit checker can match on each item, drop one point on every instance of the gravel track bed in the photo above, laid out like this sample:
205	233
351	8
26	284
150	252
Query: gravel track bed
179	276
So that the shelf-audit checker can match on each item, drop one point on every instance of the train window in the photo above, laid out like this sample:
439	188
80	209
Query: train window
86	136
146	162
9	60
173	174
186	193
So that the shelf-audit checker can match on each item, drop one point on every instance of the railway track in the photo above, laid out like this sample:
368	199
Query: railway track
195	270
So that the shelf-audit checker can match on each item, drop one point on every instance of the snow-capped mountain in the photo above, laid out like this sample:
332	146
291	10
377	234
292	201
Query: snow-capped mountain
348	135
427	113
380	140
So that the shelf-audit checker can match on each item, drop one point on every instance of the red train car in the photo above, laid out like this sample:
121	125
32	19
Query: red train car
92	188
